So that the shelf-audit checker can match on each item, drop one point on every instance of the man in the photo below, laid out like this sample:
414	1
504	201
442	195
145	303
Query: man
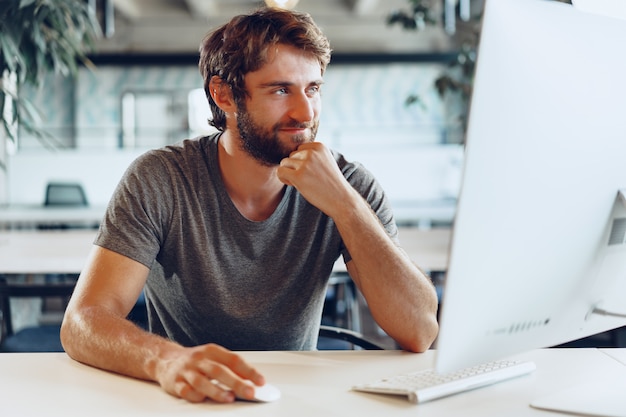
234	236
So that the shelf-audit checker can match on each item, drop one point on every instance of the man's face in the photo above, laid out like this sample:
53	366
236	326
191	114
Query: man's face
282	110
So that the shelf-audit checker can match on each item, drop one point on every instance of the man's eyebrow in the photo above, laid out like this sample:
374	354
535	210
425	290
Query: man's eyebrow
287	83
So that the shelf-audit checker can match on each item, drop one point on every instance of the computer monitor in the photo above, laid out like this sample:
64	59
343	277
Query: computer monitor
538	247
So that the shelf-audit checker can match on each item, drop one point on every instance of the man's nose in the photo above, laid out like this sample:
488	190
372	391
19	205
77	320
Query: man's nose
302	108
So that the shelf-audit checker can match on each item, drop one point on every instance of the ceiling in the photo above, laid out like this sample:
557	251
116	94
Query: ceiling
177	26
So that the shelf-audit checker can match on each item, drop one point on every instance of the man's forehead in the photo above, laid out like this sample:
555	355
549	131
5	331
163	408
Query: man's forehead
286	63
279	50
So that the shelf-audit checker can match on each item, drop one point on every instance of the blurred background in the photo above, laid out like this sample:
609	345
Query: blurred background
88	85
382	104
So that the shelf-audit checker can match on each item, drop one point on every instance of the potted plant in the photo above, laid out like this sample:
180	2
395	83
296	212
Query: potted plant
454	85
39	37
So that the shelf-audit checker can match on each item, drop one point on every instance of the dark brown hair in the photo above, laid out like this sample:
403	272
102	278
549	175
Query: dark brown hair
240	46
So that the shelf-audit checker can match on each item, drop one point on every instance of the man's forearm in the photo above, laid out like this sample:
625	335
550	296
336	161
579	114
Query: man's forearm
104	340
401	298
97	337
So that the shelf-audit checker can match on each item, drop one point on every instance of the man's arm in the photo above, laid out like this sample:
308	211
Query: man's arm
401	298
95	331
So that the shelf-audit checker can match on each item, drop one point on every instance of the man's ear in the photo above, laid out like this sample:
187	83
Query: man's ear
221	94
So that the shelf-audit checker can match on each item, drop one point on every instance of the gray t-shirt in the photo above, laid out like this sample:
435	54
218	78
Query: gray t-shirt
216	276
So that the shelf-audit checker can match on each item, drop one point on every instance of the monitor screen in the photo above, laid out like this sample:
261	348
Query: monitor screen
538	247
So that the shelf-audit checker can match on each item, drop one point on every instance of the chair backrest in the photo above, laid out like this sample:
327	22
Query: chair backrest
355	339
44	337
9	290
65	194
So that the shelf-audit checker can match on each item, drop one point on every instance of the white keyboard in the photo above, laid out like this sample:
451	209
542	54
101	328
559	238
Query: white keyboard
426	385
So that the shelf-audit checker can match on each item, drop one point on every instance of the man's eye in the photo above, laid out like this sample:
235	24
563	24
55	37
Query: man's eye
314	89
281	91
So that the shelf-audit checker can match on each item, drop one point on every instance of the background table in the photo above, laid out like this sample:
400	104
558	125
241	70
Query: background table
65	251
33	216
44	252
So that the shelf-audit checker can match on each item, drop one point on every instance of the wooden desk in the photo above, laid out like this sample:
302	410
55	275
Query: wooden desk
312	384
65	251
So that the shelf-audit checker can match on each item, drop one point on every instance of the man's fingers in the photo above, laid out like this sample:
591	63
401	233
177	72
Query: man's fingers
195	387
235	363
185	391
218	374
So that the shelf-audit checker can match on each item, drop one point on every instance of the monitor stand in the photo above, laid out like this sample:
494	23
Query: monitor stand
594	398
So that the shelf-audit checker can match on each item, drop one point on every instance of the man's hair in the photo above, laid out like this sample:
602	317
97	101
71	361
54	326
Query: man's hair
241	46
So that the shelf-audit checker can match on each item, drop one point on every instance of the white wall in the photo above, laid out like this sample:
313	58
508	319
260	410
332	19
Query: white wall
363	116
98	172
422	181
411	174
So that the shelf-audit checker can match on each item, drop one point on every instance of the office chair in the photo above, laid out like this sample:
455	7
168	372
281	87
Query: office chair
347	339
65	194
46	337
43	338
341	306
341	317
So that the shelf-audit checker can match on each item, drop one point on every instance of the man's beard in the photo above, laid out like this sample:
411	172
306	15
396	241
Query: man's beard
264	144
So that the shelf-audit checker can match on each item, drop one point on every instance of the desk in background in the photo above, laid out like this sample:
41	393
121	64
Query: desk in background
422	216
312	384
40	263
44	251
36	216
65	251
428	248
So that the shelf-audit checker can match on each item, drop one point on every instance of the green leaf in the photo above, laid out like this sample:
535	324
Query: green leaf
26	3
40	37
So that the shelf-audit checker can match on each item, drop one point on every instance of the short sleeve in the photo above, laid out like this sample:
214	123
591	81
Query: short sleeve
137	216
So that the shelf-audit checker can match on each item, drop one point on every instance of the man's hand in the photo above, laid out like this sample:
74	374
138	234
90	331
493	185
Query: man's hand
208	371
313	171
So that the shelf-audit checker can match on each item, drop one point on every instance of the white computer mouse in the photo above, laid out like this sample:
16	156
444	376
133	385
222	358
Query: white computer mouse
263	394
266	393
